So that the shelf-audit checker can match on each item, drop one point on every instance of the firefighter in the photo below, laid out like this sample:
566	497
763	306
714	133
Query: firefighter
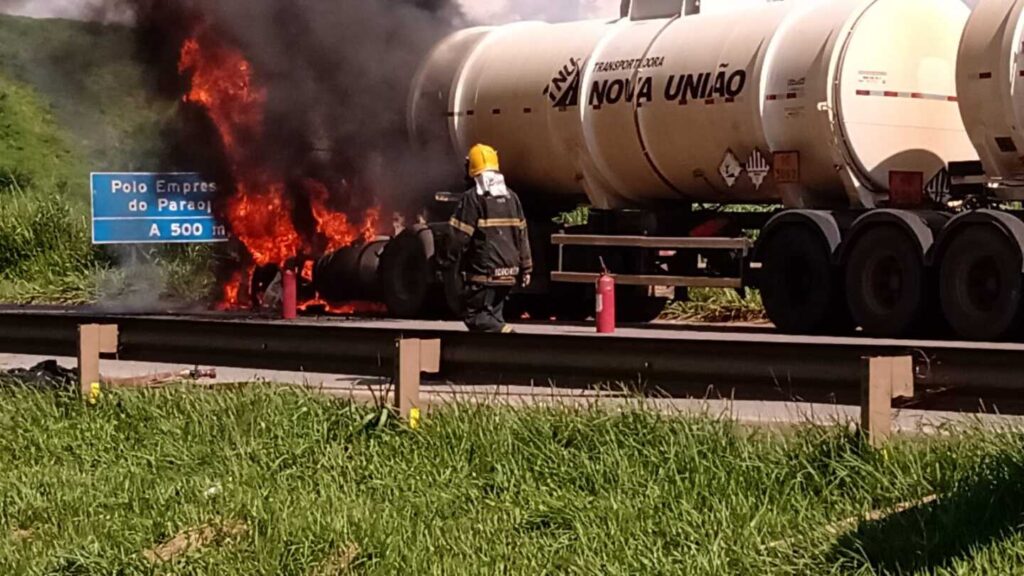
489	237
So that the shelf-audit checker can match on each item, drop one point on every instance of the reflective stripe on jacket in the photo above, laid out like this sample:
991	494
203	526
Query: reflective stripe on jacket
491	235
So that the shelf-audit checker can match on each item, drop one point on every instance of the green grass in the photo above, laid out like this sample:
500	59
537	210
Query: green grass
483	490
45	252
33	151
715	305
101	98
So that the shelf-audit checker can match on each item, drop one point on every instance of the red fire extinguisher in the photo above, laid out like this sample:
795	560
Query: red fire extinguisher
289	285
605	302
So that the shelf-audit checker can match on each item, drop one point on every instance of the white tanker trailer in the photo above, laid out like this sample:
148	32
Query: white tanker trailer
844	112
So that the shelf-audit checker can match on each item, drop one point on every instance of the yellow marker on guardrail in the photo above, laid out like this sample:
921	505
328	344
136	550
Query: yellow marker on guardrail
414	418
95	393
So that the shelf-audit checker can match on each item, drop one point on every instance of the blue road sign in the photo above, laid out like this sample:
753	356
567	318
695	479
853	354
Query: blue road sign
154	209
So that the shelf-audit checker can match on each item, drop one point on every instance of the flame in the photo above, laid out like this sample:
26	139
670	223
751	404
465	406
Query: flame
332	225
371	224
231	291
259	211
222	84
261	218
346	309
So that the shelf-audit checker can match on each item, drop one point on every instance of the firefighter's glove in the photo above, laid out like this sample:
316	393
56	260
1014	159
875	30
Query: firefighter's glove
526	280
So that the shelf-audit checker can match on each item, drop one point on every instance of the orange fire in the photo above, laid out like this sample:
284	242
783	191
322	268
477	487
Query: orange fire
307	271
259	211
347	309
221	82
371	224
231	295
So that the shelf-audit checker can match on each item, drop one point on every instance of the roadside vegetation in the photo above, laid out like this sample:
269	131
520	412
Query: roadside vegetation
717	305
45	251
73	101
263	481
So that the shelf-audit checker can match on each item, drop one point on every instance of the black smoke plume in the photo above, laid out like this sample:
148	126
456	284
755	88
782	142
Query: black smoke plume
337	75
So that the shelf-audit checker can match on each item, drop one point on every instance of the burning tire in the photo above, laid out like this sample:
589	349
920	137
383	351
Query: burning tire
350	274
981	284
407	272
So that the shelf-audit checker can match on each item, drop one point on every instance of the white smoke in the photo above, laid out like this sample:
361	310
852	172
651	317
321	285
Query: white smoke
44	8
71	9
504	11
480	11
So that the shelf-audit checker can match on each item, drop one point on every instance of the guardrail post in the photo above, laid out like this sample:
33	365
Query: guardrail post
413	358
93	340
884	380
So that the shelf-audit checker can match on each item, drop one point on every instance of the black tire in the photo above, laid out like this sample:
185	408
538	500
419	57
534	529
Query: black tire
800	288
350	273
406	273
980	284
887	285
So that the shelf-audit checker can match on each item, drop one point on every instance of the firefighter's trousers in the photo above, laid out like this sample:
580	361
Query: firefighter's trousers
484	309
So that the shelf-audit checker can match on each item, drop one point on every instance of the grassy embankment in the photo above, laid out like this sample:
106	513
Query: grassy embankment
72	101
272	482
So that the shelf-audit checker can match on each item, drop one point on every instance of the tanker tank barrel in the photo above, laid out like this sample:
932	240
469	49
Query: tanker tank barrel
809	104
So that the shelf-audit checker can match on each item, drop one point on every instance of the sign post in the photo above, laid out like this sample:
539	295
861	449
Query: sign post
152	208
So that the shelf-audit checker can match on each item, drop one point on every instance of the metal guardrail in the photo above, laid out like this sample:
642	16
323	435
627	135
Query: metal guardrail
713	359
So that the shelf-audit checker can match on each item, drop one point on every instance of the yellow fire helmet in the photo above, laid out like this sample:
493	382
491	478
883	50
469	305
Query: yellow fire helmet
482	158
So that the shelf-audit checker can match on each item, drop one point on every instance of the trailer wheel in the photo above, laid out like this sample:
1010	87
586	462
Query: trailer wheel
886	282
406	272
799	285
980	284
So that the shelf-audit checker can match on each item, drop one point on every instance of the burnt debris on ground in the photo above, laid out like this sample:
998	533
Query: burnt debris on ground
45	376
